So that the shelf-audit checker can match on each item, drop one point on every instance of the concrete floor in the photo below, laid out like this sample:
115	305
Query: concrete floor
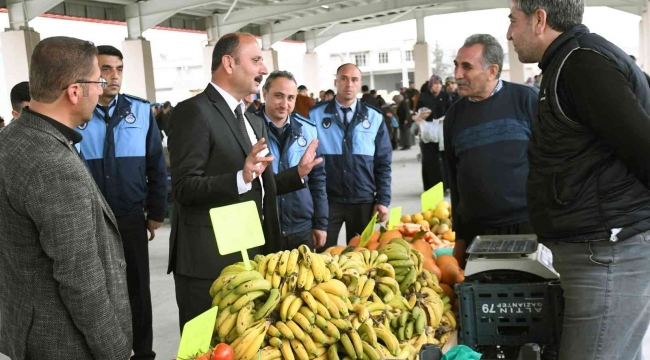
407	187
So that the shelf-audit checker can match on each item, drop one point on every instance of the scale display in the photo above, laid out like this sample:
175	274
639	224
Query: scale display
492	256
504	244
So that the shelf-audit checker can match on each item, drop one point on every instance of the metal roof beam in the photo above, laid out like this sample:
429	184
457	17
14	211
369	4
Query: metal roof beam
21	12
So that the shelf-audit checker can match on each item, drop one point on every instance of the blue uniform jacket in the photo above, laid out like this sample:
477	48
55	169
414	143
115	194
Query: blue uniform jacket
125	157
357	159
307	208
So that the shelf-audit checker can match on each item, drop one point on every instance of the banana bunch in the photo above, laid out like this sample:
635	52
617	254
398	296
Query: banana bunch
406	262
369	260
298	269
247	345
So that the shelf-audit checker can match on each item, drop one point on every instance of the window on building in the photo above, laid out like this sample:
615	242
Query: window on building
360	59
409	55
383	58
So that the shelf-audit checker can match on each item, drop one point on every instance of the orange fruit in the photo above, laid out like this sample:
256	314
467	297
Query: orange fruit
449	292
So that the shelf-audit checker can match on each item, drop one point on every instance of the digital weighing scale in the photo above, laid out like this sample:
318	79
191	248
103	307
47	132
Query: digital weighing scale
515	257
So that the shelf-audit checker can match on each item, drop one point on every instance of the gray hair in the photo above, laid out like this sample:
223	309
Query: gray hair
492	50
561	15
276	74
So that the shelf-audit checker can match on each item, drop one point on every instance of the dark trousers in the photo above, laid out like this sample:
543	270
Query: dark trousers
135	241
355	217
293	241
433	166
192	297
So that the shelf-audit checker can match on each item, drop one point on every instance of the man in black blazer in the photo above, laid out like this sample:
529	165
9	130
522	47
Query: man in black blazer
217	159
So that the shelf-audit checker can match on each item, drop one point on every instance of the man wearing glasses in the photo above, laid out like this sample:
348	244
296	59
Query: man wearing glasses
123	150
64	287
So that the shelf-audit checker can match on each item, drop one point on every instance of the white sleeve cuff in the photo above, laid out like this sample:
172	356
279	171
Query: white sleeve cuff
242	187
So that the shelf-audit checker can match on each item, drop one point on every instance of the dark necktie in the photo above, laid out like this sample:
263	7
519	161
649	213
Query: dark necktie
107	117
242	126
345	115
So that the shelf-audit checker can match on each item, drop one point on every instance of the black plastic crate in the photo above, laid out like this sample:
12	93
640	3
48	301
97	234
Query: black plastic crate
510	314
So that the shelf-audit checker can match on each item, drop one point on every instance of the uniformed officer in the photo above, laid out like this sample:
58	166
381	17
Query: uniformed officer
354	141
303	213
123	150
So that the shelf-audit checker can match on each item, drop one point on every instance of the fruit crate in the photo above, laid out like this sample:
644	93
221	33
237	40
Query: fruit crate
510	315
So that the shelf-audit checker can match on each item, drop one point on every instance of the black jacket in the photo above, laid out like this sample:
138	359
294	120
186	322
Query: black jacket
207	149
589	153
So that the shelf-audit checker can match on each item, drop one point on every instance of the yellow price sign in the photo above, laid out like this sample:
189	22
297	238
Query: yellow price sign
432	197
197	334
394	217
367	232
237	228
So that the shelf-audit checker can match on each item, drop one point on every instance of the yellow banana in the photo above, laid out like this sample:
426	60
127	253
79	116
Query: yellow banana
348	346
452	318
388	338
342	324
287	352
283	262
356	341
386	269
369	351
263	265
318	267
322	311
227	325
286	303
275	341
334	309
360	284
367	332
294	307
273	263
333	352
276	279
381	259
310	346
318	335
303	271
340	304
253	285
331	330
335	287
218	284
244	318
254	348
244	299
274	332
296	330
309	301
271	352
243	277
368	289
321	296
308	313
362	312
284	329
373	256
292	262
301	320
299	350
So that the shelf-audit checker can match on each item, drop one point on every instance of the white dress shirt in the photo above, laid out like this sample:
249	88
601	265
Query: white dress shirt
242	187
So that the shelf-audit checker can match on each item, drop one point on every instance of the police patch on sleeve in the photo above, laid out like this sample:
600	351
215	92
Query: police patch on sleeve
327	122
83	126
130	118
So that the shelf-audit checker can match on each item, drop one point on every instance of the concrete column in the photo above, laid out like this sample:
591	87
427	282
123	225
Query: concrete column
643	60
207	61
372	80
422	58
17	47
517	71
311	71
419	24
138	69
270	59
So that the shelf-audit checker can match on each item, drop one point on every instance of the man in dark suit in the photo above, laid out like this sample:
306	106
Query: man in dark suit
214	163
64	291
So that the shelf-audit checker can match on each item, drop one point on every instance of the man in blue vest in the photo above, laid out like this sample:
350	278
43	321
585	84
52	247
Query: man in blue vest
588	188
354	141
303	213
123	150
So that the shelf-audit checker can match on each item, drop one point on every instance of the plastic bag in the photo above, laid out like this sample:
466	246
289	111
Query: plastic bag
461	352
